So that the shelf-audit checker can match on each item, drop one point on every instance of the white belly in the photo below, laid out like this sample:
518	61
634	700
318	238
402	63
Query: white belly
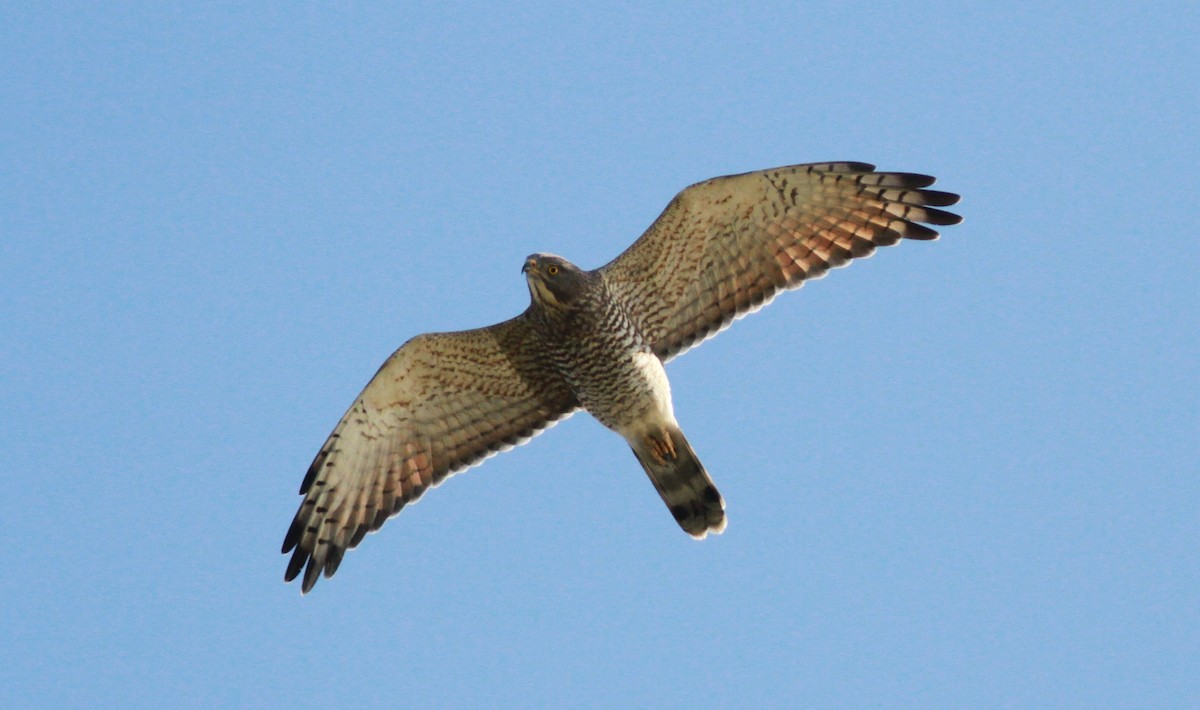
653	411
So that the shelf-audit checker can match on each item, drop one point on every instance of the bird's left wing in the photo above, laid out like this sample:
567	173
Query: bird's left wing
441	403
724	247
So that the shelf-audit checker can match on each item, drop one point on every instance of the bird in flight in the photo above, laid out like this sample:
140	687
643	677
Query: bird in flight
597	340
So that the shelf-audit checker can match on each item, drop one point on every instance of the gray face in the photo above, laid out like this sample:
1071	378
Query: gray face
553	281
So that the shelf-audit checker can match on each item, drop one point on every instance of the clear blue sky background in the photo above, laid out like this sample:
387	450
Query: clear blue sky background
959	474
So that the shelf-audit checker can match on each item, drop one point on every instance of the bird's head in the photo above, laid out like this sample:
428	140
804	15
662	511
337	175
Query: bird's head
554	282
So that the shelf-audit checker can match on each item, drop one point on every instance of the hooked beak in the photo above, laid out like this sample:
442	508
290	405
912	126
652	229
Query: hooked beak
530	265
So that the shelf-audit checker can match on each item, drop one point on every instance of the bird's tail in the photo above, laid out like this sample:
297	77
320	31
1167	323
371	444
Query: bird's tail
681	480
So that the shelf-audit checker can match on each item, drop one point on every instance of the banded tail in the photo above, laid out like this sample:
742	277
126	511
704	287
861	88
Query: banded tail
681	480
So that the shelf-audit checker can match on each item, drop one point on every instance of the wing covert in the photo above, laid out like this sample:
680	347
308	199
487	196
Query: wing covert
725	247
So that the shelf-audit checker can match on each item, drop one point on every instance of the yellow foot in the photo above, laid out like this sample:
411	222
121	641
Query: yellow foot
661	446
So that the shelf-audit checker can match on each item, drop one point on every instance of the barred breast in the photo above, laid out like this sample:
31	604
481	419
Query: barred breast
609	365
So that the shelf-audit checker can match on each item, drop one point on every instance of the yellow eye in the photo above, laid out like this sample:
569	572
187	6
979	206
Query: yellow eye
552	270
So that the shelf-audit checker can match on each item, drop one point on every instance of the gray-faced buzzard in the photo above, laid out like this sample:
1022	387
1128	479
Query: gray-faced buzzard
597	340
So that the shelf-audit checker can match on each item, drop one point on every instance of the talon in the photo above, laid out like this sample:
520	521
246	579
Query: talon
662	448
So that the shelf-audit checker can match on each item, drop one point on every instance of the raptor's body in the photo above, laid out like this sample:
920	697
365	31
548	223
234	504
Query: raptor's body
597	340
608	364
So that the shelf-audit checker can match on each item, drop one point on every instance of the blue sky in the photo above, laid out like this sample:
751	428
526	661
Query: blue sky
958	474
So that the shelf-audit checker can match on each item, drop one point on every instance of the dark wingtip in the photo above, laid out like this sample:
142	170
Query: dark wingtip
293	535
310	476
312	572
913	179
333	559
299	557
940	217
919	232
937	198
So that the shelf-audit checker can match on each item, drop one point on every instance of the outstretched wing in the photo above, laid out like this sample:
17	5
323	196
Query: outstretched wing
724	247
441	403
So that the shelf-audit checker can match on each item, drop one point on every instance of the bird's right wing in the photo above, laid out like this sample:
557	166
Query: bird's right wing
441	403
724	247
